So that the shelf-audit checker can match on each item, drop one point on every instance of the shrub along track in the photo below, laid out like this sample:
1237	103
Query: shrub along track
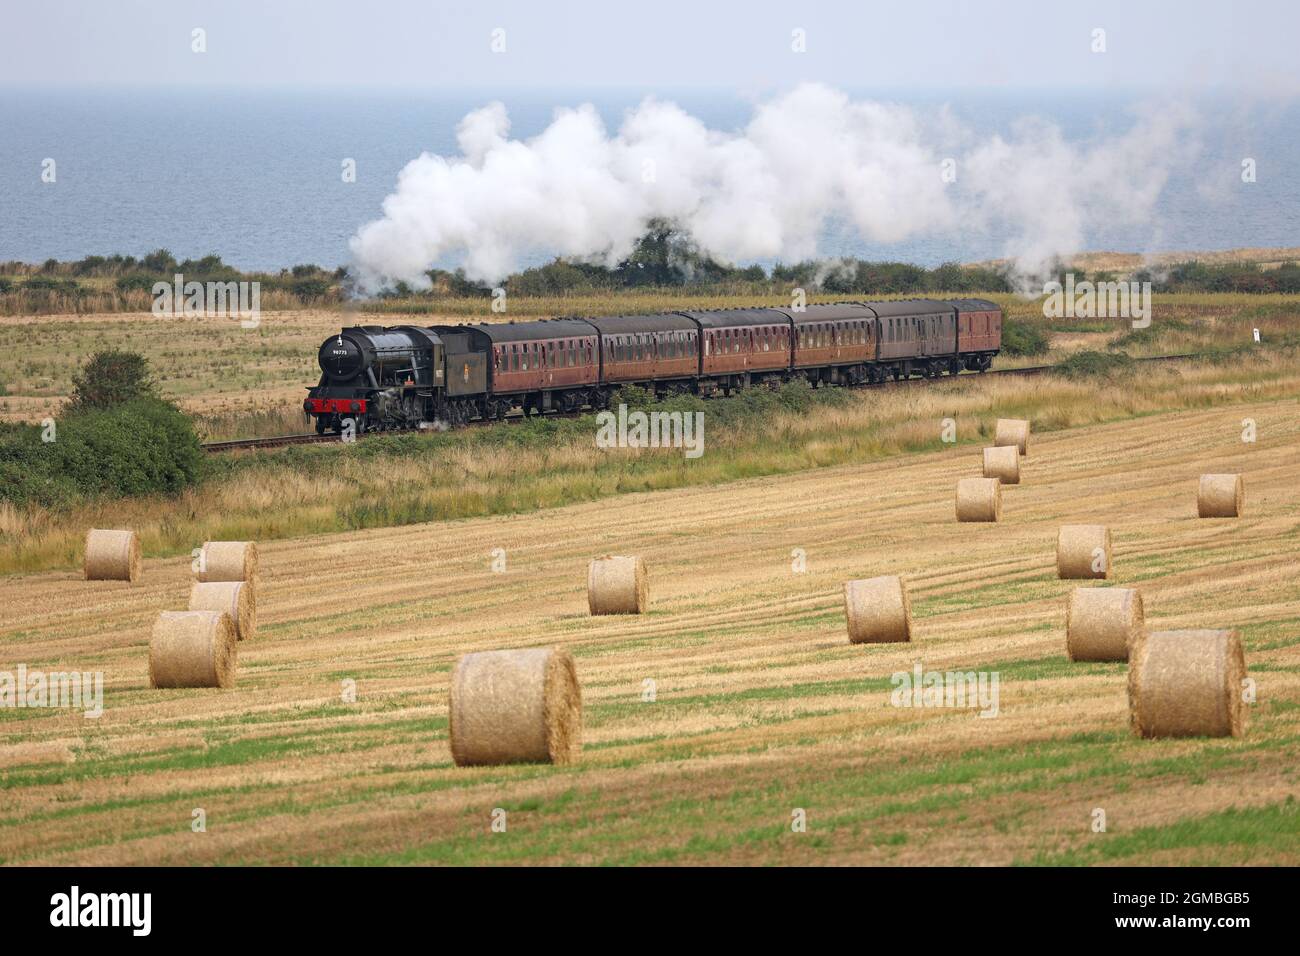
244	444
760	704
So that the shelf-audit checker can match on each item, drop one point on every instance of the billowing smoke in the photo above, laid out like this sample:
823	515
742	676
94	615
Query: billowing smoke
811	160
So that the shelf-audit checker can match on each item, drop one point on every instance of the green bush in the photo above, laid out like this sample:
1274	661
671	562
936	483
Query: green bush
136	280
310	288
28	472
51	284
143	446
109	378
140	447
1089	364
1021	338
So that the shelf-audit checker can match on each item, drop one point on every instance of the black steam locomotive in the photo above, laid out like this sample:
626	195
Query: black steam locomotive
406	376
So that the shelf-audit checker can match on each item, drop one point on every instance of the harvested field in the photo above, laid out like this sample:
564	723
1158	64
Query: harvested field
733	701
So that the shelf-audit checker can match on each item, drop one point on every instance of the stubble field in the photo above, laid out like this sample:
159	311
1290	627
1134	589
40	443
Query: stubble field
761	707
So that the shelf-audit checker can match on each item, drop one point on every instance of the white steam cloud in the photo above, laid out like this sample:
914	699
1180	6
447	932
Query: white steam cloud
807	160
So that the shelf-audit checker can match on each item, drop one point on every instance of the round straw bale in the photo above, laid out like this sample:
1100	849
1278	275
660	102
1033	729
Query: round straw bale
616	585
979	499
1187	684
112	556
228	561
1220	496
1012	431
1102	624
1083	551
1003	463
520	706
878	611
193	649
236	598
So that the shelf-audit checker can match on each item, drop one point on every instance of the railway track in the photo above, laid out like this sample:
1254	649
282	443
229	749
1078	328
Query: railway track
281	441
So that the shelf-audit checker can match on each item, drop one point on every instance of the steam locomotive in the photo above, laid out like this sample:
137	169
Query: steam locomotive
407	376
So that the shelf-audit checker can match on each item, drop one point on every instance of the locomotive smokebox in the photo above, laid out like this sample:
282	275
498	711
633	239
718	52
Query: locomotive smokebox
341	358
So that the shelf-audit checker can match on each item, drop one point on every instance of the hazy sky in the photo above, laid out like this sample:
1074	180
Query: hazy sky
744	46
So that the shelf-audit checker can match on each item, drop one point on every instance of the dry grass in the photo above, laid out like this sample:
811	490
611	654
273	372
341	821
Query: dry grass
348	488
760	706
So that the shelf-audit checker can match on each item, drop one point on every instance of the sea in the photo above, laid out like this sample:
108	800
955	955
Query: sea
255	176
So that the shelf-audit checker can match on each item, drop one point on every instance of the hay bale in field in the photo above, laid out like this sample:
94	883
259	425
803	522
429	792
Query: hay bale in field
1012	431
616	585
1103	624
236	598
112	556
1220	496
1083	551
228	561
979	499
193	649
878	610
1187	684
1003	463
519	706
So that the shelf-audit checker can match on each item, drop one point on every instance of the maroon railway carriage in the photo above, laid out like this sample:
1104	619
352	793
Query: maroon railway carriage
741	347
661	348
536	366
917	336
979	332
834	344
